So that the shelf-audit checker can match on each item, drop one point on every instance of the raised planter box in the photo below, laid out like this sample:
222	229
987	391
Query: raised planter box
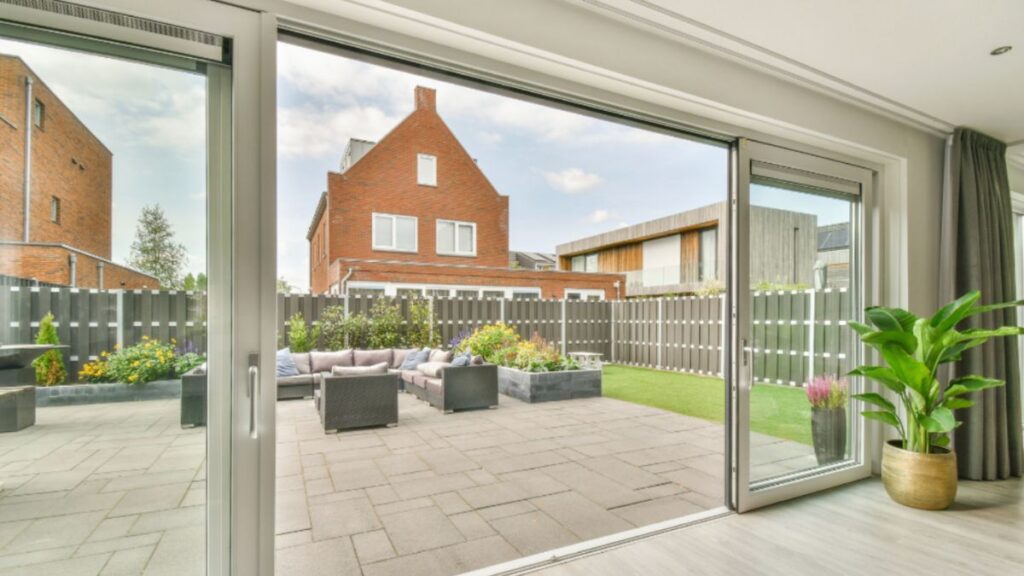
104	393
547	386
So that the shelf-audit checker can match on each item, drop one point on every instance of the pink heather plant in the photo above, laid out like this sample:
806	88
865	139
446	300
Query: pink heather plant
827	392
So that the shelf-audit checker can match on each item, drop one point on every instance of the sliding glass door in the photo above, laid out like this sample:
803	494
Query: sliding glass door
799	279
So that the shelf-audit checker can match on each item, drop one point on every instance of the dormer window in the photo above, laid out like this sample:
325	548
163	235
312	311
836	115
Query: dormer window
426	170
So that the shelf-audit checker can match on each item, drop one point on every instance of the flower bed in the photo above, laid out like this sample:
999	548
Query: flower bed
548	386
104	393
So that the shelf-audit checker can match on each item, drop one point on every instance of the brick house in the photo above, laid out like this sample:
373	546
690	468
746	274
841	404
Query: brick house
414	214
65	238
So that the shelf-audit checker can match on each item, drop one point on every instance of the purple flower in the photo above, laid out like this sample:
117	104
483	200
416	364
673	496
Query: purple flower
827	392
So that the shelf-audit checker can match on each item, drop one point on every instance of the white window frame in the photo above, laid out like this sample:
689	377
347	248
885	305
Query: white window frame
455	241
583	293
426	179
394	233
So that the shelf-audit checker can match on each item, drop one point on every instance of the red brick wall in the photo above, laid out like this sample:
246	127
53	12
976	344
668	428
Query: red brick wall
52	264
385	181
68	162
551	283
319	260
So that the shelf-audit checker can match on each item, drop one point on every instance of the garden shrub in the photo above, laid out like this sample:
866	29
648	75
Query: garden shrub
421	332
502	345
489	340
335	328
144	362
50	366
386	320
300	337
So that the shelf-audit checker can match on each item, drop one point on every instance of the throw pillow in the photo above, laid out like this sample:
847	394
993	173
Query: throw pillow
439	355
477	361
376	369
414	360
371	357
285	364
432	369
462	359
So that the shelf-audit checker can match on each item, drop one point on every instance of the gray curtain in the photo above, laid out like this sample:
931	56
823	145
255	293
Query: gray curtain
977	253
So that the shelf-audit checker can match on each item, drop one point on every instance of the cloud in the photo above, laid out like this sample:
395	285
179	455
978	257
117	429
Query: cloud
598	216
313	133
572	180
491	137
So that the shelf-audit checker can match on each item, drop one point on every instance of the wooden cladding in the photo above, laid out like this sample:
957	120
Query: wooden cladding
623	258
689	258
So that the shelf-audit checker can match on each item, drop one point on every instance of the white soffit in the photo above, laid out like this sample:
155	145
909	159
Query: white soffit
928	62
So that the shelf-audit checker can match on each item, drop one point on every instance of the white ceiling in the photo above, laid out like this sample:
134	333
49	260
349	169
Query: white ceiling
925	59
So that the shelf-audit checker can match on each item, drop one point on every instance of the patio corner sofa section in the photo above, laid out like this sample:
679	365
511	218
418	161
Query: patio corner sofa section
456	388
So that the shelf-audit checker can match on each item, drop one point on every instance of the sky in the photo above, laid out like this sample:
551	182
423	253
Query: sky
567	175
153	120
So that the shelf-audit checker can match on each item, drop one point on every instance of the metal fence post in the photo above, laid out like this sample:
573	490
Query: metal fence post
611	320
812	297
563	327
661	329
120	319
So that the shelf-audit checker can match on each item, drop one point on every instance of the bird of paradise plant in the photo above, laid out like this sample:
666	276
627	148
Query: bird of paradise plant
913	349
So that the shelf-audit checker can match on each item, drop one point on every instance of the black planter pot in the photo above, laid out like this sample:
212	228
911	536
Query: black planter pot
828	428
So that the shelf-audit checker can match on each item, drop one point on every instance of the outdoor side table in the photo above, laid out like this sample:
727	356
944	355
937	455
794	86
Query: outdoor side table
587	359
17	408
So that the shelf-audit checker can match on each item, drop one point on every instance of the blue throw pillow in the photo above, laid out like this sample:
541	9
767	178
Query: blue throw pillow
412	360
285	365
462	359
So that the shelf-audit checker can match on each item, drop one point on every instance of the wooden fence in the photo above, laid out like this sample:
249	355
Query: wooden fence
795	334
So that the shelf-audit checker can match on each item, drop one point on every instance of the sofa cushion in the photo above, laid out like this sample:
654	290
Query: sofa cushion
414	360
462	359
324	361
301	360
438	355
434	385
413	378
371	357
432	369
381	368
299	380
399	355
285	364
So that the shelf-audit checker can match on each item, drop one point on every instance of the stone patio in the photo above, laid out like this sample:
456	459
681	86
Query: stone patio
111	489
119	489
442	494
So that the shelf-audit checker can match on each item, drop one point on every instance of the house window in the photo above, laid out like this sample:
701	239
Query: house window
391	232
585	263
526	294
426	170
588	295
55	209
456	238
493	293
38	114
709	254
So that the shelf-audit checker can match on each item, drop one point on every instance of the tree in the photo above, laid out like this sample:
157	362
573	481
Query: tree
283	287
50	366
300	337
201	282
189	283
155	250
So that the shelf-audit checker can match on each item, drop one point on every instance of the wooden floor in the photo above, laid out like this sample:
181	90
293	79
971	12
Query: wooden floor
851	530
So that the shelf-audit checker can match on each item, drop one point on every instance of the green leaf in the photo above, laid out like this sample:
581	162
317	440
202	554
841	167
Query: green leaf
940	440
991	333
882	375
951	314
972	383
955	403
940	421
991	307
859	328
876	399
882	416
895	319
953	353
904	340
908	369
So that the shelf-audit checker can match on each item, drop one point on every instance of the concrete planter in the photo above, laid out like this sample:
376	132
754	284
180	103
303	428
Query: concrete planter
105	393
547	386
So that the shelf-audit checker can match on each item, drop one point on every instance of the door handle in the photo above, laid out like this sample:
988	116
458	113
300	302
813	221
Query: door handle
253	391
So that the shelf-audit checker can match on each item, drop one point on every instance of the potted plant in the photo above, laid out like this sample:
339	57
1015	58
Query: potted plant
829	397
918	469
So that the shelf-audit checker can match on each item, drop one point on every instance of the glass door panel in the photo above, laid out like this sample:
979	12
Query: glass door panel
799	280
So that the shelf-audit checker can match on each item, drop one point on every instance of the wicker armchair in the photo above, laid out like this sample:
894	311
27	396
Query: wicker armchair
193	397
357	401
464	388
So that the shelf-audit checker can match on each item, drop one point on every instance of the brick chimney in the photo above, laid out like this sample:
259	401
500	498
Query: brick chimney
425	98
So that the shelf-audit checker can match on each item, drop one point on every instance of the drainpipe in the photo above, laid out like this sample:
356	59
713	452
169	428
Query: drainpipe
28	152
618	290
99	274
344	281
73	260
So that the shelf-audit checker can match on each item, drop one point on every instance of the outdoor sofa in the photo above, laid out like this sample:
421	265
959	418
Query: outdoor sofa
449	388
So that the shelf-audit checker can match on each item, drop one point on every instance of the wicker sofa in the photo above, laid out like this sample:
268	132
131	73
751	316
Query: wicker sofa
447	387
345	402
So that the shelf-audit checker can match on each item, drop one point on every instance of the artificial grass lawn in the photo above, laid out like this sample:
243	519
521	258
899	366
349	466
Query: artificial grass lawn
779	411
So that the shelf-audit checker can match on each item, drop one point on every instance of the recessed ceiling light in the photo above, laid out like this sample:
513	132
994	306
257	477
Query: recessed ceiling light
1001	50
